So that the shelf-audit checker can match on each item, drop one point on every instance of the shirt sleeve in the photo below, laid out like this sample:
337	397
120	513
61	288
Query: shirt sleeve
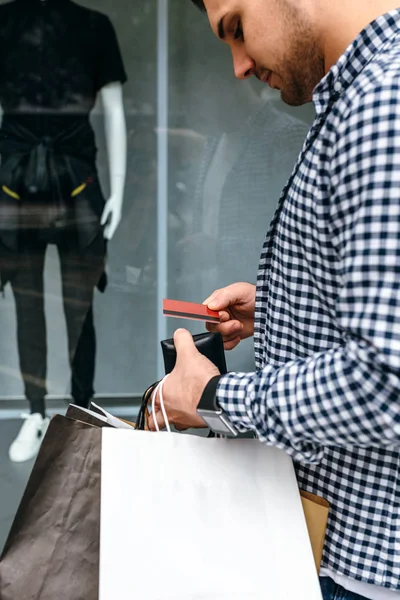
110	66
347	396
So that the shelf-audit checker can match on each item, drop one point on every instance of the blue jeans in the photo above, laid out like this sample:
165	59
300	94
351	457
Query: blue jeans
332	591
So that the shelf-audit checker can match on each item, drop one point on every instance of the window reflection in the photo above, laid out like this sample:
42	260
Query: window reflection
49	187
243	147
231	146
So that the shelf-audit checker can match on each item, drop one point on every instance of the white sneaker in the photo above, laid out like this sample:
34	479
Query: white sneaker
27	443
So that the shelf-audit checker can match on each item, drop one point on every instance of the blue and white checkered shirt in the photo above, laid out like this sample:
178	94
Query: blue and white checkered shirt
327	332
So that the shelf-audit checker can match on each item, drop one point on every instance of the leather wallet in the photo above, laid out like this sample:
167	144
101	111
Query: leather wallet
209	344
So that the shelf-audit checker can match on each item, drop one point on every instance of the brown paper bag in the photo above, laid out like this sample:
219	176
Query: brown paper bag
316	511
52	551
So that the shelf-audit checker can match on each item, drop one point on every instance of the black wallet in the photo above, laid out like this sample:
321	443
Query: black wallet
209	344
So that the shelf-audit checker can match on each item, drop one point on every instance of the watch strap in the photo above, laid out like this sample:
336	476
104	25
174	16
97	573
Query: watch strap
208	400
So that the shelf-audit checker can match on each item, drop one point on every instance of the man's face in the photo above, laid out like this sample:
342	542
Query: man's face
273	40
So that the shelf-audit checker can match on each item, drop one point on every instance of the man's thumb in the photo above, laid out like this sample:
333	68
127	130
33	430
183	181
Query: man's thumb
218	301
184	344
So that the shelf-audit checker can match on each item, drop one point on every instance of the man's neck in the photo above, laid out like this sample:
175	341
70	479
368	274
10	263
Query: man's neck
342	21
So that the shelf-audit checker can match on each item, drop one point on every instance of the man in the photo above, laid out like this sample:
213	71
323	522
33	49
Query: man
326	311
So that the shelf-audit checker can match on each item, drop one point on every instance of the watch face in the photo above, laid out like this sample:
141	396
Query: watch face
217	424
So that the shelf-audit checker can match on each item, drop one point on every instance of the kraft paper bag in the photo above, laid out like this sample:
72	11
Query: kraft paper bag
316	511
52	551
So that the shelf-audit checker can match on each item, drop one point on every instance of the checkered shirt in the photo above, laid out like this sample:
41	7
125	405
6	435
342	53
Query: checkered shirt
327	319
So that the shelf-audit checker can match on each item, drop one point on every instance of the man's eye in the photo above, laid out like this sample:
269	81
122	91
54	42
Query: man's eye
238	35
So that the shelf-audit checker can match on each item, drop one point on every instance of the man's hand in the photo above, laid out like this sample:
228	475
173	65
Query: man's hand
236	306
183	388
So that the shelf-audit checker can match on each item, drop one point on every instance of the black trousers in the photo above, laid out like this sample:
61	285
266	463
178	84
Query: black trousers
80	273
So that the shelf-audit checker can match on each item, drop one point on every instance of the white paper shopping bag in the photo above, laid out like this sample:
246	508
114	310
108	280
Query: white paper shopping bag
184	518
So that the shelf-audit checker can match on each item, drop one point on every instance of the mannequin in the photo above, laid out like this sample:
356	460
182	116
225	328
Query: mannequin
50	192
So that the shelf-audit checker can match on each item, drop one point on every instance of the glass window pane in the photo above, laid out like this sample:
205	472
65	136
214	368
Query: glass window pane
232	147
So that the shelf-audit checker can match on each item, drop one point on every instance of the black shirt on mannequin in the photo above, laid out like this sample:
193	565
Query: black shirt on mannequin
54	58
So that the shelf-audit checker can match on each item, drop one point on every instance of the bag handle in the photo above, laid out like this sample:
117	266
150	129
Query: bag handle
153	405
143	413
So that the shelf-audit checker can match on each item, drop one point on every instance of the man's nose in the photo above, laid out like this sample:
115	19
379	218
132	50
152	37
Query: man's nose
243	65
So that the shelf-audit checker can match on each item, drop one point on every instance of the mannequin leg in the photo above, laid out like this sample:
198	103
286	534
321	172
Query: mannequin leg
83	363
80	273
27	287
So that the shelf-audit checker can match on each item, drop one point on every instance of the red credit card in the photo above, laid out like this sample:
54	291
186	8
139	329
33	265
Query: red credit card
189	310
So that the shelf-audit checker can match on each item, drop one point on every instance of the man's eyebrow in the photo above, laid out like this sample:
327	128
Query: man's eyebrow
221	30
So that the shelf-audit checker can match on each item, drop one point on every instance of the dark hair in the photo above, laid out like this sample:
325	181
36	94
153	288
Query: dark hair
200	5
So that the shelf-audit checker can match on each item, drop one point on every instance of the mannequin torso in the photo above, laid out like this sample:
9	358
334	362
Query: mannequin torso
55	56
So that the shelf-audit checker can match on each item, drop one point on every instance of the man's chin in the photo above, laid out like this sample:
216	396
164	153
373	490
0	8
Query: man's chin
292	100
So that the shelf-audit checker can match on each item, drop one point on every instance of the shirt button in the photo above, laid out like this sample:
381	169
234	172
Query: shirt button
337	86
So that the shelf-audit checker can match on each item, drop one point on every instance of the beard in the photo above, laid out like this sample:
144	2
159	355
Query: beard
300	77
302	67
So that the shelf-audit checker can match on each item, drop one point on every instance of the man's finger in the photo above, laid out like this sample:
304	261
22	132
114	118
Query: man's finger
184	345
181	428
221	299
232	344
212	297
160	421
223	316
232	336
226	329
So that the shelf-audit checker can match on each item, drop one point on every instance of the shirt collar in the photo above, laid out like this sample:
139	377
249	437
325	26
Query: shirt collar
360	52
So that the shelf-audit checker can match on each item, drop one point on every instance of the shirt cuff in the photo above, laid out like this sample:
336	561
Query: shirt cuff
234	393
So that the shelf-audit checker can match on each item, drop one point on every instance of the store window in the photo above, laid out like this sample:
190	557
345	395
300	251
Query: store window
207	157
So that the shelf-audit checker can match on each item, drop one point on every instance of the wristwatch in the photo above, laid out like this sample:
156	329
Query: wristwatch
211	412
